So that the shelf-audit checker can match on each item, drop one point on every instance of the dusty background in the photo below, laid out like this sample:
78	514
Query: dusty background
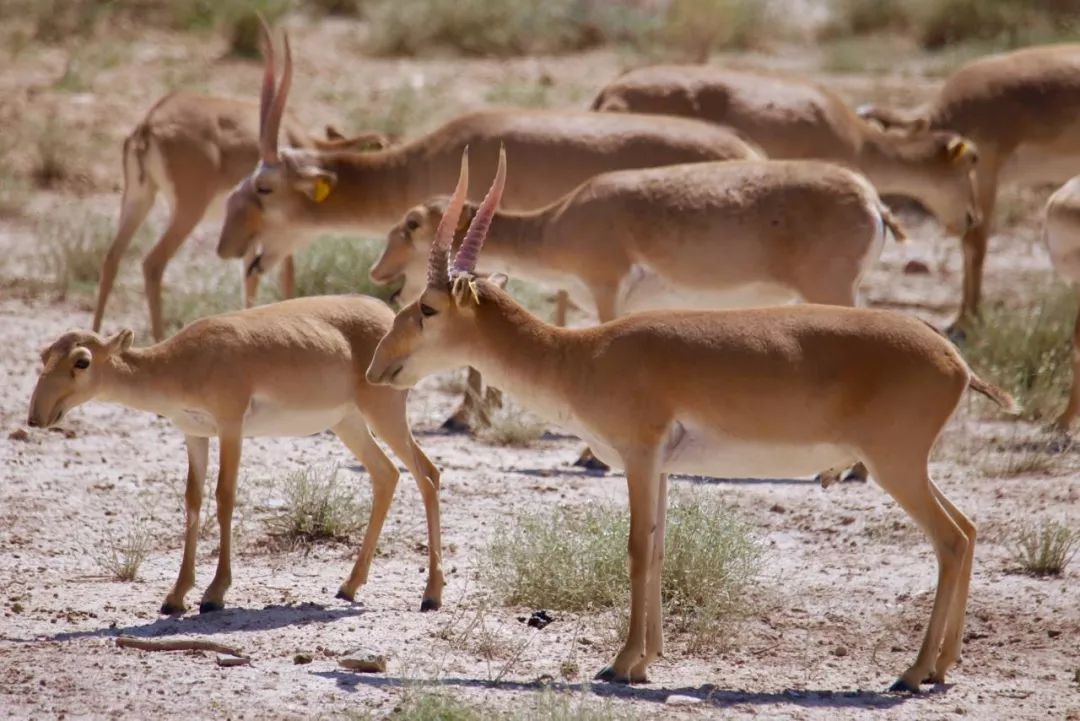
845	589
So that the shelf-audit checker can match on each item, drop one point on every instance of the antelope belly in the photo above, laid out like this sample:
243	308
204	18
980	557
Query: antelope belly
644	289
266	418
696	450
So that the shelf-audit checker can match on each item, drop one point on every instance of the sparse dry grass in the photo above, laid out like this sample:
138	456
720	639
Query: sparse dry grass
317	506
53	156
430	702
511	425
575	560
1026	348
73	246
208	290
339	264
1045	548
121	555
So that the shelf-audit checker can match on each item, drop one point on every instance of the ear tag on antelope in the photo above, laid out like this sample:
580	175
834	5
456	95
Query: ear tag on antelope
322	189
957	150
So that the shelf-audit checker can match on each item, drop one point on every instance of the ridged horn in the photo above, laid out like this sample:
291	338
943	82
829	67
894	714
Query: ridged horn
469	252
438	260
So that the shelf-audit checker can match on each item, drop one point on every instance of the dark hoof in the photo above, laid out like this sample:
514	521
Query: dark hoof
956	334
210	606
430	604
902	686
350	597
453	424
167	609
607	673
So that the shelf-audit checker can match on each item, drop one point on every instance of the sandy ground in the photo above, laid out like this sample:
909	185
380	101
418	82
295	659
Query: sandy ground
845	591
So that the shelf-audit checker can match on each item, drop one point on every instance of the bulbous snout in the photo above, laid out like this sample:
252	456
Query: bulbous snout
243	221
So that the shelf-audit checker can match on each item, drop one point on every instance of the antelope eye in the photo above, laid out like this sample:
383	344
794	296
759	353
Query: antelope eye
262	191
412	224
427	310
82	363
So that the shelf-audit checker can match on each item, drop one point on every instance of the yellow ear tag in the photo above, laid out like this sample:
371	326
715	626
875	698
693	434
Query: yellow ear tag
957	150
322	189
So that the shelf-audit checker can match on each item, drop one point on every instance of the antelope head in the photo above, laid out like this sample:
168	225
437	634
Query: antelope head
945	162
286	186
436	331
73	372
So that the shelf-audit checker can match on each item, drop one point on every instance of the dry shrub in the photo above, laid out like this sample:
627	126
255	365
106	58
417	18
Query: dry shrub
433	703
1045	549
74	245
317	506
336	264
121	555
509	425
1026	348
575	560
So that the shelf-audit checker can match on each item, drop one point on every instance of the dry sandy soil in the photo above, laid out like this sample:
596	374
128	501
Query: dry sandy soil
844	593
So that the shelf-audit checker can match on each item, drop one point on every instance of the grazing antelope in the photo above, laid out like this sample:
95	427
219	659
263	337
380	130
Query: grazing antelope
1062	237
793	118
700	235
194	148
293	191
1022	110
299	189
287	369
764	392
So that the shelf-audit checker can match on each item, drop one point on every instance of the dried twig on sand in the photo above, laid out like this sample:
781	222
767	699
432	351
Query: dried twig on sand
176	644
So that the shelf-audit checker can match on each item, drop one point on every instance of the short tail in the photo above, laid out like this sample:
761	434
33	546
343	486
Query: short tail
891	222
997	395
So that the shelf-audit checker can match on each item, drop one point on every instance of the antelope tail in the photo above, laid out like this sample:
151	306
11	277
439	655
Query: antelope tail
997	395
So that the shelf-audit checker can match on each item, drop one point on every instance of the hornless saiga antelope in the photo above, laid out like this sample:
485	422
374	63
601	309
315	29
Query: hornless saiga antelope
292	191
1022	110
703	235
194	148
790	117
292	368
1062	237
763	392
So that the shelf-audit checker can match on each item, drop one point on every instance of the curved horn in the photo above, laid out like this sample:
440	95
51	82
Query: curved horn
267	96
438	275
465	260
269	138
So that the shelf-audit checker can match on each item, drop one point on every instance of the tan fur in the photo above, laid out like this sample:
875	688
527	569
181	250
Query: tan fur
766	392
1062	237
733	233
1022	110
290	368
194	148
790	117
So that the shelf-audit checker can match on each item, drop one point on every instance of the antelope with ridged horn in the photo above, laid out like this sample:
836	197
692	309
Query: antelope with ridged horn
1061	234
764	392
195	148
292	191
292	368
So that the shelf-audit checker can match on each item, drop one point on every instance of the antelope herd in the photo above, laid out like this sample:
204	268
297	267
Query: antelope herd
720	252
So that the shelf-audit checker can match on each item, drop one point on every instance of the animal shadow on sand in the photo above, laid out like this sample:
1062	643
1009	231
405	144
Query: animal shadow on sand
708	694
228	620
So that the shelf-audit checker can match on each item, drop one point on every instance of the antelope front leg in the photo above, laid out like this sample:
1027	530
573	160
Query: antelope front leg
229	461
654	622
631	663
198	450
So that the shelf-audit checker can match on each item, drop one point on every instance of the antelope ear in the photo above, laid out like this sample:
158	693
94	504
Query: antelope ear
121	341
499	279
316	183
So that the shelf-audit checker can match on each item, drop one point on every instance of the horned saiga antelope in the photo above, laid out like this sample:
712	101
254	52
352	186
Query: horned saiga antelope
763	392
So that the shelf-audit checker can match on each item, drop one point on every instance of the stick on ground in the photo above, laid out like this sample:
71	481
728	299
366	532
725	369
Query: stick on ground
176	644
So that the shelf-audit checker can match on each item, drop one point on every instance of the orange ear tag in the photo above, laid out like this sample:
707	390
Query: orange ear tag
322	189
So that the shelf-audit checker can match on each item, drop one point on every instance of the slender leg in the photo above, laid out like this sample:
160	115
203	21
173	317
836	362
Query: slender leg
643	481
392	425
974	244
198	450
138	199
354	433
186	215
251	280
954	625
288	277
654	627
604	297
462	419
909	483
1069	414
231	440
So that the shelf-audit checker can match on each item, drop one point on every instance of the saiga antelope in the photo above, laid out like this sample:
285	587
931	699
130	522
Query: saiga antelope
1062	236
194	148
764	392
294	191
292	368
1022	110
790	117
703	235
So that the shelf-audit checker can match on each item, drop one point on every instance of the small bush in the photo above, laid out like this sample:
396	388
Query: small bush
510	425
52	157
317	507
860	17
1026	349
203	291
1046	549
121	556
431	703
337	264
575	560
74	248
